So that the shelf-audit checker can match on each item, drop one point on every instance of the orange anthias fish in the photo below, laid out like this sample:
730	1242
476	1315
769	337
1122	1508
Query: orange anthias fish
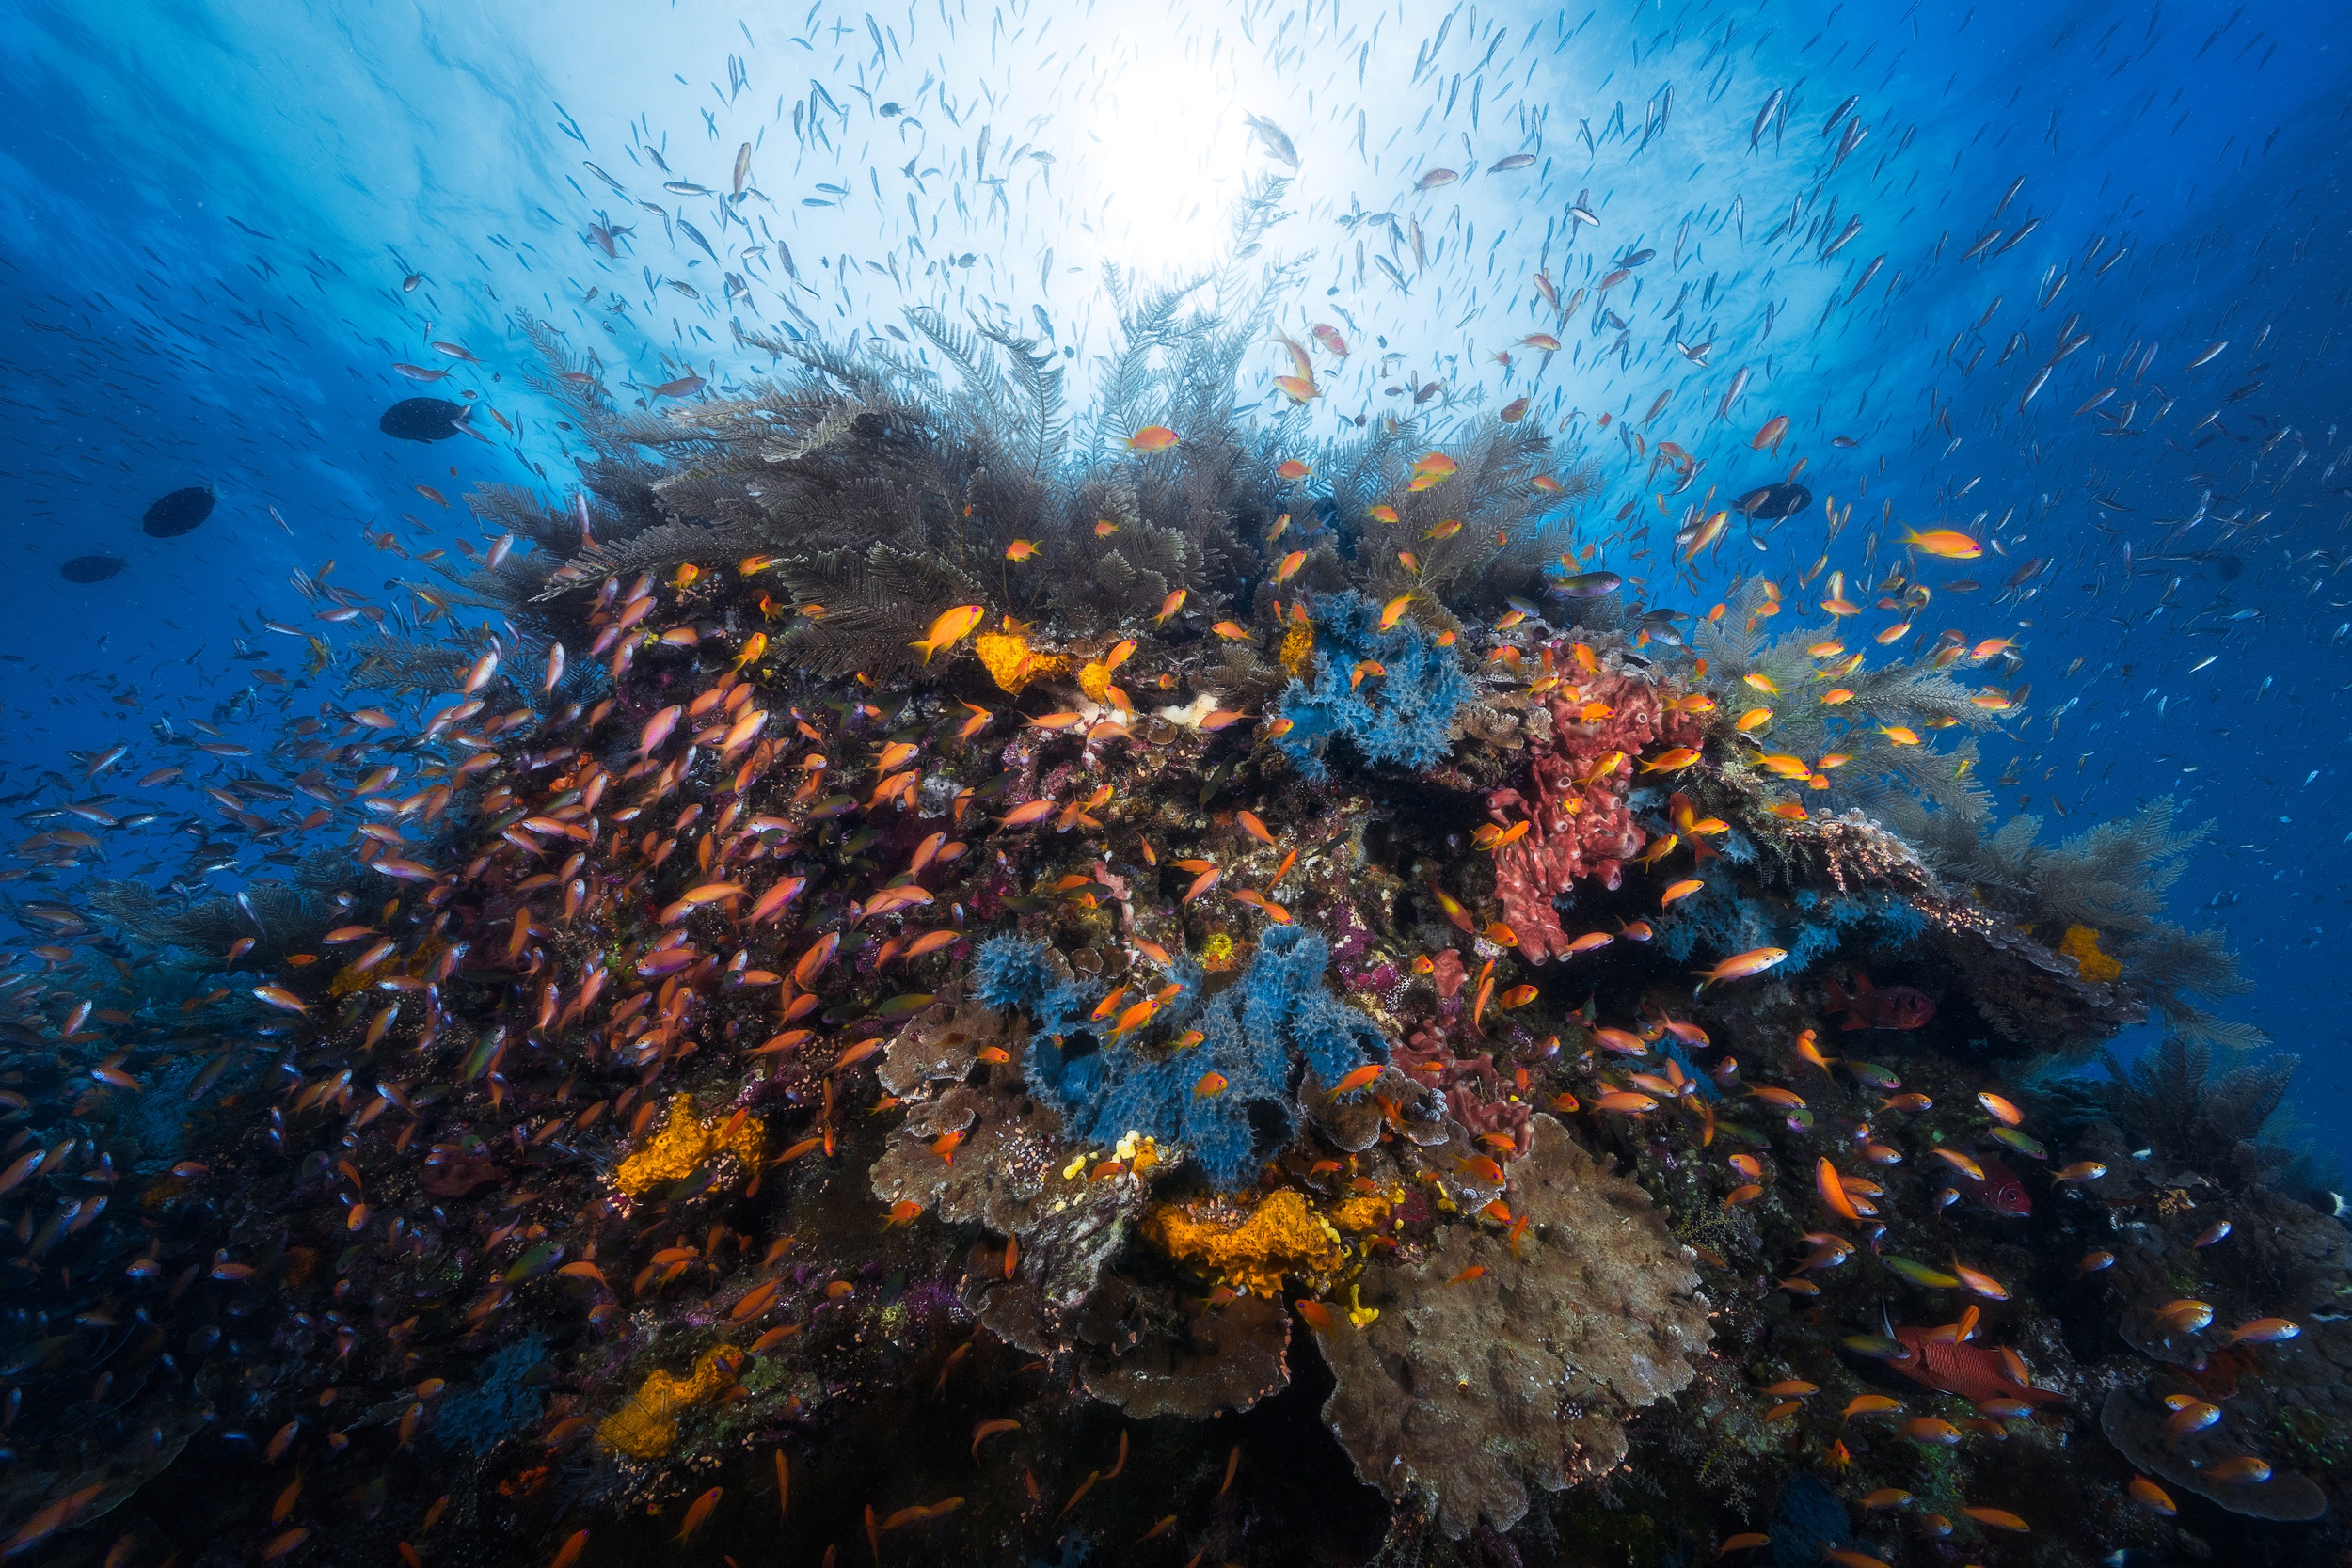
951	629
1948	543
1152	437
1741	965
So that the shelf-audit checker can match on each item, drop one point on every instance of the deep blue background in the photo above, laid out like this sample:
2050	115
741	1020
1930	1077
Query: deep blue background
209	212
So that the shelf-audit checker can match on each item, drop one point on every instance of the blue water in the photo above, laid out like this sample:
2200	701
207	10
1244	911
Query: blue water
210	212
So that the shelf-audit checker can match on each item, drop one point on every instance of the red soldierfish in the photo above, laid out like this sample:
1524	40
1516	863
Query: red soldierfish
1871	1008
2000	1191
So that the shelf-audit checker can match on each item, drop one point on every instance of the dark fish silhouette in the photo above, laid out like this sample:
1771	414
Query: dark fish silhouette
422	419
178	513
91	568
1870	1007
1775	501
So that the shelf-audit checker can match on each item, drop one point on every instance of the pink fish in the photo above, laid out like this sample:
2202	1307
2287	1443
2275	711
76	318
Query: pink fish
657	729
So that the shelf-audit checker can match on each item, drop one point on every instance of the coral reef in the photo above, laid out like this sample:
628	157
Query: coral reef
1575	803
499	1403
1251	1249
2171	1097
829	1000
2196	1461
1209	1095
1810	1522
1152	1352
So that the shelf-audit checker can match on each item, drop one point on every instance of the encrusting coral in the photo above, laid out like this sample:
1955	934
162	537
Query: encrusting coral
646	1427
1251	1249
686	1144
2081	944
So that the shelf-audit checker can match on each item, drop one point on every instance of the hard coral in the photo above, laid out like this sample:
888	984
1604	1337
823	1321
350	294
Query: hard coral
1152	1351
940	1044
2136	1425
1251	1249
1002	1174
1579	821
1471	1090
646	1427
685	1145
1067	1242
1404	714
1465	1390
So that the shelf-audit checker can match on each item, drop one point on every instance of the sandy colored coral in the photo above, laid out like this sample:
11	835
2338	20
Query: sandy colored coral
2136	1424
2081	944
1460	1395
1010	661
685	1145
940	1044
647	1426
1005	1171
1250	1250
1152	1351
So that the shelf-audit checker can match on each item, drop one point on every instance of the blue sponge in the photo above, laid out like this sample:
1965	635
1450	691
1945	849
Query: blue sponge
1404	717
1278	1009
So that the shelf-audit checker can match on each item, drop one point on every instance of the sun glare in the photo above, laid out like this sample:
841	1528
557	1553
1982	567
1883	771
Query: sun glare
1168	152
